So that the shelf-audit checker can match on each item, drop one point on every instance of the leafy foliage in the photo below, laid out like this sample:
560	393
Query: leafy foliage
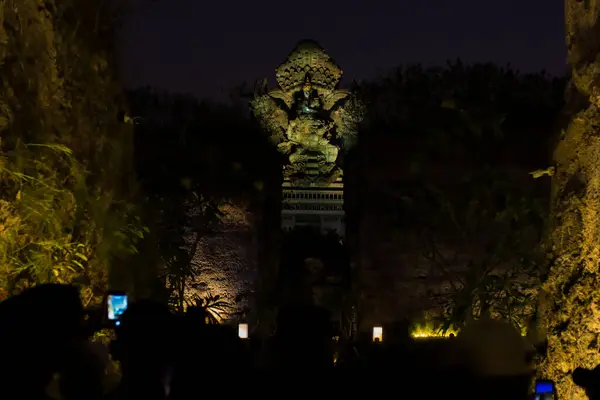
56	228
212	307
65	199
179	247
481	237
195	157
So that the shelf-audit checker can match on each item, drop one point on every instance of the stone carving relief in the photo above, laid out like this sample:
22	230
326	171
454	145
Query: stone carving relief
307	117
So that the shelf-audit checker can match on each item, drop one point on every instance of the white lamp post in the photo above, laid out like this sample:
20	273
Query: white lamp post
243	330
378	334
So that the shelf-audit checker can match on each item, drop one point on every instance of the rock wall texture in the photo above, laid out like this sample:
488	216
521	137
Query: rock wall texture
228	260
572	308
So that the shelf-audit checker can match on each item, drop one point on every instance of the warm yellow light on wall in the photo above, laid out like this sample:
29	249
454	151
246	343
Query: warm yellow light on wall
243	331
430	331
378	334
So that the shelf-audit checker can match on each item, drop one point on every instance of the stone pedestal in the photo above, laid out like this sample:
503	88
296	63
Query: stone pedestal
311	120
320	206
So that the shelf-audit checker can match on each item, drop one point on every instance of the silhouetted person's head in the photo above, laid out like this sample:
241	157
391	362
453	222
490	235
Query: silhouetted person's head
497	355
219	345
196	315
304	335
83	376
38	328
588	380
305	321
204	349
494	348
398	332
145	340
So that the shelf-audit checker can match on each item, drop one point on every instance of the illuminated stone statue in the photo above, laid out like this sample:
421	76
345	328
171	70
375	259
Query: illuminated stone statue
307	117
308	101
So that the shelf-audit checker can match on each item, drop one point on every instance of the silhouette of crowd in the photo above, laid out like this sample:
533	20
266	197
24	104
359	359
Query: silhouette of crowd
48	352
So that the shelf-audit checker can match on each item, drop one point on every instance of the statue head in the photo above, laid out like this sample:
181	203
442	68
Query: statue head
307	87
308	58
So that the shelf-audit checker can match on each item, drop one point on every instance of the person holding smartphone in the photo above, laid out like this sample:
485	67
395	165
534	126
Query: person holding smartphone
144	347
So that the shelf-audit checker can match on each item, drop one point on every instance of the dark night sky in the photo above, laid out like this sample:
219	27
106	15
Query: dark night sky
206	47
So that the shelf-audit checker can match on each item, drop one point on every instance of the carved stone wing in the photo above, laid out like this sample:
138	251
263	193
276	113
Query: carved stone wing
272	118
281	95
347	120
331	99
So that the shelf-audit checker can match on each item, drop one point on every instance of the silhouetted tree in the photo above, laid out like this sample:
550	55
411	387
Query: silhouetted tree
468	136
193	157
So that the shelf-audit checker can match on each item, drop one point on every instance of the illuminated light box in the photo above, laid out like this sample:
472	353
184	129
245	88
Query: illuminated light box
378	334
243	331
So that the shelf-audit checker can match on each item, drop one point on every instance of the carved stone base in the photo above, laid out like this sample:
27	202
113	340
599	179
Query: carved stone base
320	205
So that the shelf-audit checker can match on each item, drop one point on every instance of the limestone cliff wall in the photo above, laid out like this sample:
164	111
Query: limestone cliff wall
573	301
